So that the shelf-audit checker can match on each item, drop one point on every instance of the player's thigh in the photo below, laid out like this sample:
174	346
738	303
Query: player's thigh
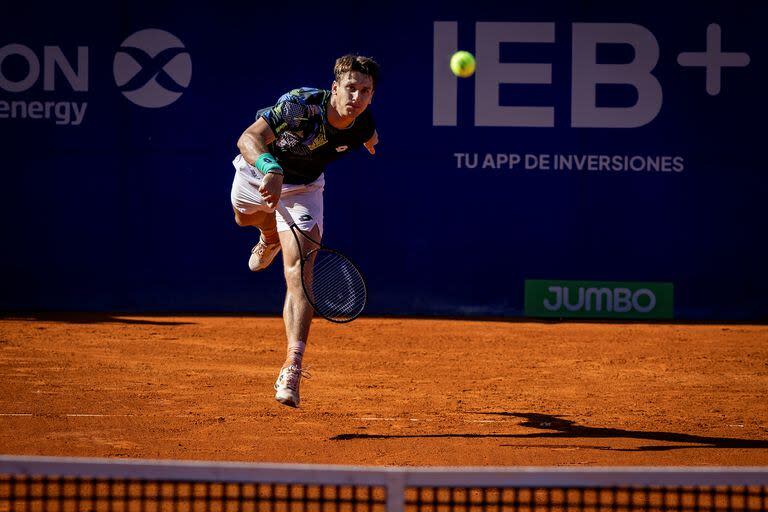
305	204
296	246
244	194
258	218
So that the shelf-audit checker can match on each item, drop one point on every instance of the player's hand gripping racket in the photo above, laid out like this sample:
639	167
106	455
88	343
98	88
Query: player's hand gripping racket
332	283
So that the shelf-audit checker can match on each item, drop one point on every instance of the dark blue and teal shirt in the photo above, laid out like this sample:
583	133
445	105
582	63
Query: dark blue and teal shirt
304	141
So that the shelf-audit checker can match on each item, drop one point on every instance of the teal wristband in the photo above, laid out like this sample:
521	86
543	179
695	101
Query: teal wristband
266	163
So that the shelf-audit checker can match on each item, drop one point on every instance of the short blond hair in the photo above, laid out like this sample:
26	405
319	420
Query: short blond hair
352	62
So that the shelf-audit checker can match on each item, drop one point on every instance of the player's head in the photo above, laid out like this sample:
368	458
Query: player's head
351	62
355	81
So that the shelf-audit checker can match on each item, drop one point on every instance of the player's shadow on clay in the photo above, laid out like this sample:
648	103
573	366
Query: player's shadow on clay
567	429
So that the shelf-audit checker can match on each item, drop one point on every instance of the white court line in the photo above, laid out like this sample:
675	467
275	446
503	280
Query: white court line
99	415
29	415
374	418
85	415
77	415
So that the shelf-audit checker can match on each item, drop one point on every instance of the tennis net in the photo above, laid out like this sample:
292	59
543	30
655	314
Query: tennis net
110	485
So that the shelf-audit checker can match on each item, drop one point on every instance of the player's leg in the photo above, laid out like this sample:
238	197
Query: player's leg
250	210
306	209
263	220
265	250
297	316
297	311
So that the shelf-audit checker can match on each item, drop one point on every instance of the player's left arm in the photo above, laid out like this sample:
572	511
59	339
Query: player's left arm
371	143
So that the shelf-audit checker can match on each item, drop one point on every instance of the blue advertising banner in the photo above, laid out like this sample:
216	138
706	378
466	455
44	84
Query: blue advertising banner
595	142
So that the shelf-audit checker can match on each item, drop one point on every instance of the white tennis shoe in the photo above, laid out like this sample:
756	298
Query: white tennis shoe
287	385
262	255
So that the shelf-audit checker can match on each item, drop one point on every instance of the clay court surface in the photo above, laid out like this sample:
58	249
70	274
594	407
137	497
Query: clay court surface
386	391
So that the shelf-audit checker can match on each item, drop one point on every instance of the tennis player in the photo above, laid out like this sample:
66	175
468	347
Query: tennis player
283	156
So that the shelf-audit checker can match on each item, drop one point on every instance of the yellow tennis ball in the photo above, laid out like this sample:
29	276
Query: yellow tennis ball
462	64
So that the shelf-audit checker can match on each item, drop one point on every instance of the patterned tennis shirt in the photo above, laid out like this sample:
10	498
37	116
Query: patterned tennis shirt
304	141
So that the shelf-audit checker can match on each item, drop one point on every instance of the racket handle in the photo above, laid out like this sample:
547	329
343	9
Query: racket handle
282	210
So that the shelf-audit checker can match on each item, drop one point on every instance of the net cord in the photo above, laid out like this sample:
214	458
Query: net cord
530	476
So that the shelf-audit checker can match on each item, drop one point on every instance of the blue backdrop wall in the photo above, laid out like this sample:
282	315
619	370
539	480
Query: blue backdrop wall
595	142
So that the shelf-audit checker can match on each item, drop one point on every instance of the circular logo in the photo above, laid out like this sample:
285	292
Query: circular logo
152	68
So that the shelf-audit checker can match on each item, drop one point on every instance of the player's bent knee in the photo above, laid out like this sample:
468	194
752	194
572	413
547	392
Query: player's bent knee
244	220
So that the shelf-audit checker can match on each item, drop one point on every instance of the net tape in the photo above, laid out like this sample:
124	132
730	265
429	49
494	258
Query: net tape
55	484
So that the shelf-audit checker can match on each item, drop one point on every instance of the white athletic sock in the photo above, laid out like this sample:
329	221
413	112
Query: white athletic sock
295	352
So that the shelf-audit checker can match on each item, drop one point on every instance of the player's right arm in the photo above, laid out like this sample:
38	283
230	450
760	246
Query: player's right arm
253	143
255	140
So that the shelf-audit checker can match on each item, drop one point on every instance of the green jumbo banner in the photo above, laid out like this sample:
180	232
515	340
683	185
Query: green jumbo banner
598	299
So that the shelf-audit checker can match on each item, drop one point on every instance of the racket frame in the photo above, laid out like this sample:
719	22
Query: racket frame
304	258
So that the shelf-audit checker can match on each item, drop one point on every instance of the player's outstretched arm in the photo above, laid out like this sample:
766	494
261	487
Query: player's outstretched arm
255	140
253	143
371	143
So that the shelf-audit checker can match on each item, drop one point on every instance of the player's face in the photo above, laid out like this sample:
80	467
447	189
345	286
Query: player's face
353	93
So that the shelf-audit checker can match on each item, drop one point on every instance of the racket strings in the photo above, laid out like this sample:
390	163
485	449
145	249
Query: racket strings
336	287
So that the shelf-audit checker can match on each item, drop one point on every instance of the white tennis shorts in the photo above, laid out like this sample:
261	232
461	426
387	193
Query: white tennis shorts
303	202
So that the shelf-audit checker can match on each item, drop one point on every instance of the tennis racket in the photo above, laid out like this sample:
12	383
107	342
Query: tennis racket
332	284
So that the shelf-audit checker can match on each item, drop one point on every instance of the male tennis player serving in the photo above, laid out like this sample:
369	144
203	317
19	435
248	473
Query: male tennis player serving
282	157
